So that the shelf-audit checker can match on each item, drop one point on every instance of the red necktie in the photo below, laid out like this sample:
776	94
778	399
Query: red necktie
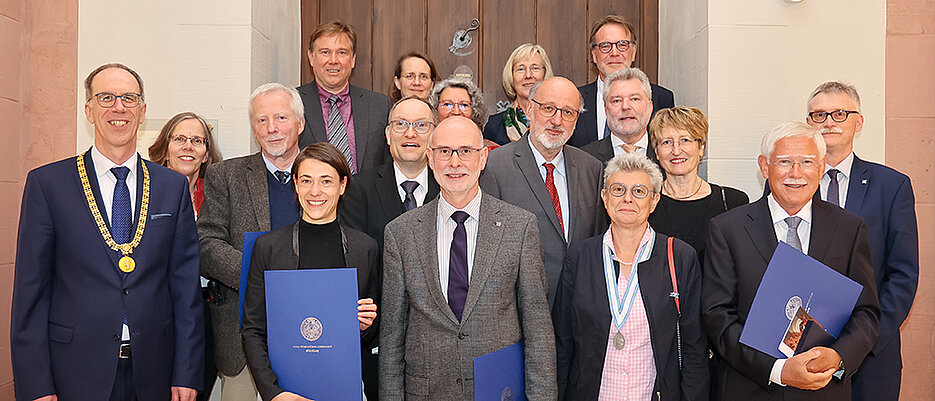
553	193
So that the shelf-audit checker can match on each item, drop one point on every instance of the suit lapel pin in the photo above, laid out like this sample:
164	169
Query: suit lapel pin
864	181
497	223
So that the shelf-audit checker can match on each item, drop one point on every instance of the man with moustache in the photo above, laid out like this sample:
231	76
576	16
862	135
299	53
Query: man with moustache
463	278
883	197
244	194
740	244
106	301
629	107
559	184
350	118
377	196
613	47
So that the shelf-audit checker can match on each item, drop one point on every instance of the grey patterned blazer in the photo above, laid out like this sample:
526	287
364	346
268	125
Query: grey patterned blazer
236	201
425	352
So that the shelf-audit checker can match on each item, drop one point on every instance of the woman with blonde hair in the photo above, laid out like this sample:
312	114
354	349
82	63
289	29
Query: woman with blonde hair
527	65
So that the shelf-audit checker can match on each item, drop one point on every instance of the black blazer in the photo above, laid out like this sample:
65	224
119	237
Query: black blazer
278	250
495	131
603	150
740	244
586	129
370	111
372	200
581	318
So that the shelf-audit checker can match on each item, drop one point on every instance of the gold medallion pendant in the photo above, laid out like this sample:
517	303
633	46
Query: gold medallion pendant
127	264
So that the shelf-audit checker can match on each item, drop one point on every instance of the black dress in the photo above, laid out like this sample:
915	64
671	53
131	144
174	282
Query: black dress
688	219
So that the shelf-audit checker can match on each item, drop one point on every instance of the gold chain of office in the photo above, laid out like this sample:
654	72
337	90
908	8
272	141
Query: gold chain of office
126	263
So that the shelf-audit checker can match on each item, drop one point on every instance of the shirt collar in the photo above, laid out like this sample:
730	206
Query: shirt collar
844	167
272	167
558	161
422	178
643	143
445	209
102	164
779	214
324	94
647	236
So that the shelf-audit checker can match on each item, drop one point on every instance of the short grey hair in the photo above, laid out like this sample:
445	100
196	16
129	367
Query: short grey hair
791	129
535	89
836	87
634	162
479	113
295	100
625	75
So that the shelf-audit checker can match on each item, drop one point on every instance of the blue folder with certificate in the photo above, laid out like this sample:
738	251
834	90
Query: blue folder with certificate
800	303
249	238
312	332
500	375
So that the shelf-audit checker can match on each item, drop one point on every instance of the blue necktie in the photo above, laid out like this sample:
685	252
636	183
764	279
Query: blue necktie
458	266
122	216
410	188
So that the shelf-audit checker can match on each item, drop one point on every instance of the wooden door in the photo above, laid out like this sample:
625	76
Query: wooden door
387	29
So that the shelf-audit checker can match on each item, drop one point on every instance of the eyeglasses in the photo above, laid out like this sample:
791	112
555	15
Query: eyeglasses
400	126
464	152
411	76
536	69
669	143
548	110
622	45
449	105
196	141
639	191
786	165
107	99
838	115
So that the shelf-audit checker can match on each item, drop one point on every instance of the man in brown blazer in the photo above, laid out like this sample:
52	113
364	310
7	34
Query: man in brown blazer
243	194
463	277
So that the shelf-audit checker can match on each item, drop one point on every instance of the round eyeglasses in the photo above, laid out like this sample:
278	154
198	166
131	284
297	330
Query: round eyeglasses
547	110
639	191
622	45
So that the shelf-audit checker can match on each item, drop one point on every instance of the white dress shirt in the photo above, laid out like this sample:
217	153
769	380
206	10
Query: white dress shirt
446	229
640	145
420	192
561	181
778	215
844	178
273	169
601	113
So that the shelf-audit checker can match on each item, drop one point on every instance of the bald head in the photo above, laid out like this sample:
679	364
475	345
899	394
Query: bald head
457	157
462	127
560	85
557	103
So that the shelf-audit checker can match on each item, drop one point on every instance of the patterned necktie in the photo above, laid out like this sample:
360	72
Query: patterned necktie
628	148
120	209
410	187
792	235
553	193
458	266
337	132
834	196
282	176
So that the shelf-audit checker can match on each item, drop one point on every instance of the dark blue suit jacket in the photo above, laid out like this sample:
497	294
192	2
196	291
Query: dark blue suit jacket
586	128
69	298
883	197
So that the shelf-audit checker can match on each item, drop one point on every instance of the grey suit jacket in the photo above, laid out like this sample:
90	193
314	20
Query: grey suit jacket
425	352
513	176
236	201
370	112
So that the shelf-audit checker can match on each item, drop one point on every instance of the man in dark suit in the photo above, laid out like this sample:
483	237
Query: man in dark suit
101	273
613	47
740	245
883	197
243	194
377	196
463	278
559	184
357	127
629	108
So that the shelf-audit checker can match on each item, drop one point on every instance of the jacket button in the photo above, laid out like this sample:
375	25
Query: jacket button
126	291
461	337
459	381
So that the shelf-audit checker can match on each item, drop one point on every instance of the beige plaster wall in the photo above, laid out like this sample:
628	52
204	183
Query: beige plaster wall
910	148
38	59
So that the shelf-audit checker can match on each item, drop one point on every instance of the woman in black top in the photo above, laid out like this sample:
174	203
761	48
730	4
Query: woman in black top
688	202
317	241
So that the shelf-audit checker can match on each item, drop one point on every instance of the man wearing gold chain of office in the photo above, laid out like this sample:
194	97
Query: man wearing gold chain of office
106	303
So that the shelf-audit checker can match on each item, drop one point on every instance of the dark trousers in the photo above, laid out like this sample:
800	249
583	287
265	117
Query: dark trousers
211	371
369	364
124	387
